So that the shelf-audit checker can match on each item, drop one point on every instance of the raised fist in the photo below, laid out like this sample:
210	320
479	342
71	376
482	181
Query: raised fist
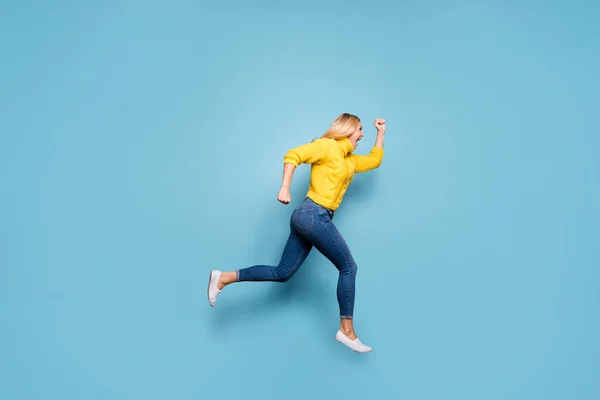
379	124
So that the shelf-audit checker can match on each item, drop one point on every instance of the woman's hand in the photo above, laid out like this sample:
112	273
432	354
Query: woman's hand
380	125
284	195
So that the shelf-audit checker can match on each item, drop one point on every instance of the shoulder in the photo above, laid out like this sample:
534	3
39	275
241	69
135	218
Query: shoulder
322	141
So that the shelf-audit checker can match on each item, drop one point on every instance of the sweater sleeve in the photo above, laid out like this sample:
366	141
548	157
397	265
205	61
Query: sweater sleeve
369	161
310	153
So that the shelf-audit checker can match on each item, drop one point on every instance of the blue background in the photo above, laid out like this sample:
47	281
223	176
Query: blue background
142	145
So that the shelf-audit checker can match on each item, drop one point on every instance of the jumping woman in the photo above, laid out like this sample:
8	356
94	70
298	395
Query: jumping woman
333	166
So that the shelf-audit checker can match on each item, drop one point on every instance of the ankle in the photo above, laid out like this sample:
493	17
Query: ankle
348	332
225	279
222	283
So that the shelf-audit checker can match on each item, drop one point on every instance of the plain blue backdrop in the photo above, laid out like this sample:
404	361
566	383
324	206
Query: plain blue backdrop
142	145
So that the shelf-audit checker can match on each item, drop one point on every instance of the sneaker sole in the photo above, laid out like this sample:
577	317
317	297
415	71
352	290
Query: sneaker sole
208	289
356	351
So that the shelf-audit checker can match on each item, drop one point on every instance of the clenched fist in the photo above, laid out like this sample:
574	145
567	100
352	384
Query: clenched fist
380	125
284	196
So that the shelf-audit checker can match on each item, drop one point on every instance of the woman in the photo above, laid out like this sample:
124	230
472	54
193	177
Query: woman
333	166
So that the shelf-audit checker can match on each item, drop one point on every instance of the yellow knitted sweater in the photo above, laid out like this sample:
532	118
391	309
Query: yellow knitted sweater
333	166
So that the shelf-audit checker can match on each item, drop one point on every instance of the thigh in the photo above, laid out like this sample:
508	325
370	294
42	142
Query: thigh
328	240
294	253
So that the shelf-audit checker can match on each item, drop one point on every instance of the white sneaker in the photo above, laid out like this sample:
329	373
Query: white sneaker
213	291
355	344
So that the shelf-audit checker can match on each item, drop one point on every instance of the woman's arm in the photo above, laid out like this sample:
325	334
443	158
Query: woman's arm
373	159
380	125
379	139
310	153
284	193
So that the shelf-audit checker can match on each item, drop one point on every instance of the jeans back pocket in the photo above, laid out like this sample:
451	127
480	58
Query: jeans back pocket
303	218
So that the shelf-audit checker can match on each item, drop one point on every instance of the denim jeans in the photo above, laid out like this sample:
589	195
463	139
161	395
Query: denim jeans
311	226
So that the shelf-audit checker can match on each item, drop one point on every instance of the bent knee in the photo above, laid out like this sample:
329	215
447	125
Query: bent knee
349	269
283	276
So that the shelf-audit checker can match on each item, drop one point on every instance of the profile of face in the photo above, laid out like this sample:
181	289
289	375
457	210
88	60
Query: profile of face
357	135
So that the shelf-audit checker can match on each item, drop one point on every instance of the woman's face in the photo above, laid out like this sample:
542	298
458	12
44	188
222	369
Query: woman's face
356	135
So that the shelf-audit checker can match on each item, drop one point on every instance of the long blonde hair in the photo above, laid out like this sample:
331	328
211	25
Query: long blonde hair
342	126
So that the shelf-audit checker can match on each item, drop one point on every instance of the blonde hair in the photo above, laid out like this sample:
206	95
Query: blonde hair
342	126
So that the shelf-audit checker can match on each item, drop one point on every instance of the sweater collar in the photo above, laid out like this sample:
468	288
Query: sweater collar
346	145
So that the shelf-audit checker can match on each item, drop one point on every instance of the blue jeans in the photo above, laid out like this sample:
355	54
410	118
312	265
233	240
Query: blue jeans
311	226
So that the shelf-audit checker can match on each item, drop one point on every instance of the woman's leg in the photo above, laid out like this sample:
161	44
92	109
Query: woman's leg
326	238
295	252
